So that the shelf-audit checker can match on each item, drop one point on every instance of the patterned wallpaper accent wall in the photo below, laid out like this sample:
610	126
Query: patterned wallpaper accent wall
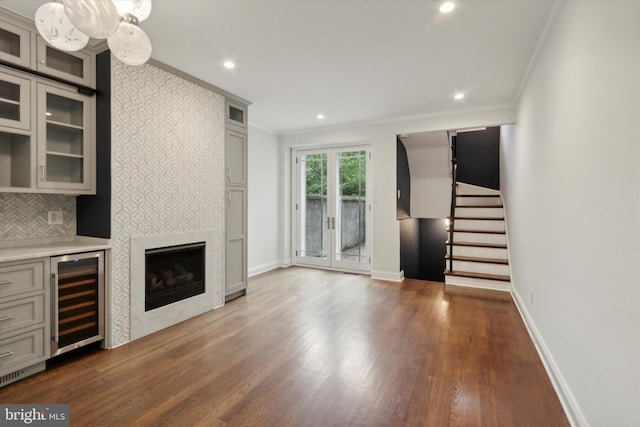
167	171
25	216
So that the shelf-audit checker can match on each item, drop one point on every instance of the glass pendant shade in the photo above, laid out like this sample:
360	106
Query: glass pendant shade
130	44
141	9
54	26
96	18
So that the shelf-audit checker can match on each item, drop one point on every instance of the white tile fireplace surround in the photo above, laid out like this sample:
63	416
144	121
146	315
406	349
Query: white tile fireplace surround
147	322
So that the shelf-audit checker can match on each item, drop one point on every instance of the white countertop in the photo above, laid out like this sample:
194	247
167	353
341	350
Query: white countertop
53	247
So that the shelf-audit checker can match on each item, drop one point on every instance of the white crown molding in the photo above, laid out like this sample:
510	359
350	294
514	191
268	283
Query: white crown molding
400	119
542	42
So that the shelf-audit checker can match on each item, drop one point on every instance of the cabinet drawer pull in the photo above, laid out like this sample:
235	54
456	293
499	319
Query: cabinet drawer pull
7	354
9	317
7	282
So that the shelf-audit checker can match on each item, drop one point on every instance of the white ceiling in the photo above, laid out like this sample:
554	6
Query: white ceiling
353	61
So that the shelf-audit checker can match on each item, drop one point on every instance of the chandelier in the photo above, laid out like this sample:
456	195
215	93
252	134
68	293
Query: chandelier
68	24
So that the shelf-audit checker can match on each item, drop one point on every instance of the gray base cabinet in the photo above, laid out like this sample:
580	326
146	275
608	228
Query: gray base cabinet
24	318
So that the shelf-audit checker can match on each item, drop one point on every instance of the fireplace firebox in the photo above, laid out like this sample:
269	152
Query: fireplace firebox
173	274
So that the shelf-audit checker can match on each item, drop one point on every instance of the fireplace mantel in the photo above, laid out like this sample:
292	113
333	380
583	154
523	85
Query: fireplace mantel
147	322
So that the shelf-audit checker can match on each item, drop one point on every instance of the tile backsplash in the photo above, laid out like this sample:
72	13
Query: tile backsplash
25	216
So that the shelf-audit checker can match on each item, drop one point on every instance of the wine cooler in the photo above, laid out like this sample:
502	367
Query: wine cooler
77	301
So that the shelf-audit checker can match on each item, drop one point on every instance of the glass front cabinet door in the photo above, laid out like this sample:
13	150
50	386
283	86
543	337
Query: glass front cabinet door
64	139
15	101
15	44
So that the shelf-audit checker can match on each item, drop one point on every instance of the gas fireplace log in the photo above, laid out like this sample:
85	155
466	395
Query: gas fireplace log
183	279
154	282
180	270
167	277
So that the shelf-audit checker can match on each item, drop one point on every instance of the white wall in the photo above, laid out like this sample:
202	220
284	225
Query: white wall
382	137
265	236
571	168
429	159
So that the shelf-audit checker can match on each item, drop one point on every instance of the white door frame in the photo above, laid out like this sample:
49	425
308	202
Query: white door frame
297	208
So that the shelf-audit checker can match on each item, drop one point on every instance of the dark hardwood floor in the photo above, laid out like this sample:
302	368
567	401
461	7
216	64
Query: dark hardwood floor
315	348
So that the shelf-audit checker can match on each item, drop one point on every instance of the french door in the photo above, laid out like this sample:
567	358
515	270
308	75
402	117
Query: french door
332	208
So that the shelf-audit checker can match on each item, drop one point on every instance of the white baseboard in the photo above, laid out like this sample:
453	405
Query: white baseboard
388	275
567	400
263	268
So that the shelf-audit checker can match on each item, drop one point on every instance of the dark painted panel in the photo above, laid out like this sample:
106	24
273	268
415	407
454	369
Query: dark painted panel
403	182
478	156
410	248
94	212
433	235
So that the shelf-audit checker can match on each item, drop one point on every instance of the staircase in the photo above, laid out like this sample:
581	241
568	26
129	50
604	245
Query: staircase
478	253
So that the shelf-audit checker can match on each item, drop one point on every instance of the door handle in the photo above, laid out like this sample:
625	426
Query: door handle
55	324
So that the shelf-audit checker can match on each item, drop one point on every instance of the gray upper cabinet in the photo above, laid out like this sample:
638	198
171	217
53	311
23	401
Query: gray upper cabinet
236	157
236	114
77	67
15	44
47	128
15	101
65	151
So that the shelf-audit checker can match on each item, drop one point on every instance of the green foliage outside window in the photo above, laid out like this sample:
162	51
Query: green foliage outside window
352	174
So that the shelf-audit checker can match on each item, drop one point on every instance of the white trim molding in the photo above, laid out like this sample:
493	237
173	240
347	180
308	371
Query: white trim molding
390	276
263	268
567	400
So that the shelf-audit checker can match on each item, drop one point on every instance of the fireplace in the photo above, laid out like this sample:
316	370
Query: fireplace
145	322
173	274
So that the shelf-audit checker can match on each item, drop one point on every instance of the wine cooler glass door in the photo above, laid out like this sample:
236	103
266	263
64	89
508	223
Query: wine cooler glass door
77	300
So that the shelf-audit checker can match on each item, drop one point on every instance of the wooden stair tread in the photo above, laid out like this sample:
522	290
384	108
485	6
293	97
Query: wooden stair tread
466	230
498	277
480	245
476	259
479	206
479	218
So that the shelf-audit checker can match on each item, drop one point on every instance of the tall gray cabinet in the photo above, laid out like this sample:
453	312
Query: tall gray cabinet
236	199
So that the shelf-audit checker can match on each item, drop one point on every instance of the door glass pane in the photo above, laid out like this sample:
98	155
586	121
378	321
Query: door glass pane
351	204
9	101
313	209
9	43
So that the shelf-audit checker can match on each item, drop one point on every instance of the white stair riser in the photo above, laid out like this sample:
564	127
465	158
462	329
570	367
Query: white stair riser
472	189
480	212
480	267
478	252
479	238
484	201
477	283
480	225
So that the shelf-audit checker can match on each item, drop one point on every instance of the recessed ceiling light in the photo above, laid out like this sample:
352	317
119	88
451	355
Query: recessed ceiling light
229	64
459	96
447	7
320	116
